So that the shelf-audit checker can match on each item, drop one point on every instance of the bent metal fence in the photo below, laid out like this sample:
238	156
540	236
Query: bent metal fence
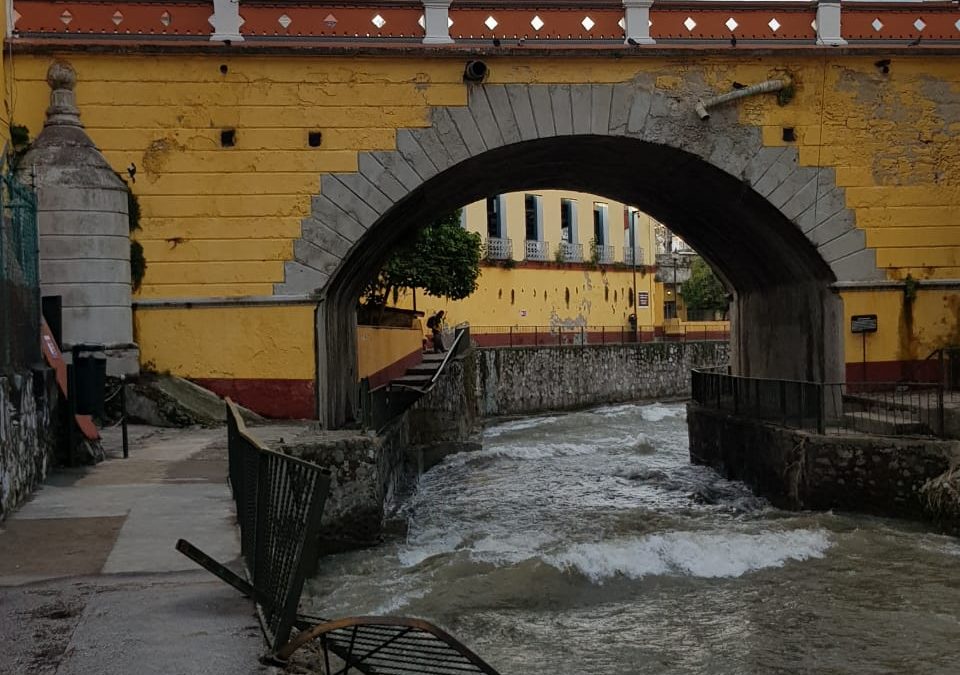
546	336
280	501
19	274
884	408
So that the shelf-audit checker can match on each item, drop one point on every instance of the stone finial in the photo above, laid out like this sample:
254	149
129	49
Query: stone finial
61	75
62	79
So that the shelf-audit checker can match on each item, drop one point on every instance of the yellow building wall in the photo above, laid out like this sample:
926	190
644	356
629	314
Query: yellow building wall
381	347
221	221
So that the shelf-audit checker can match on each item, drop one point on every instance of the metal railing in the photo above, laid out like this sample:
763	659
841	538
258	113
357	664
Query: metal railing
499	248
543	336
944	365
568	252
536	249
19	274
879	408
279	502
628	256
604	253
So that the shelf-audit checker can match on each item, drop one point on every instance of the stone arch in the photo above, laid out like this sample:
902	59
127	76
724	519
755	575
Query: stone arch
779	233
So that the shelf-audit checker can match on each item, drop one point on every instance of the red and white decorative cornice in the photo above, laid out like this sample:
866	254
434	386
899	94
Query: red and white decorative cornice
555	23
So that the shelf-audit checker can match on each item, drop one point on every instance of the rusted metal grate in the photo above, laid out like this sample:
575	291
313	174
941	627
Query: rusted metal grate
383	645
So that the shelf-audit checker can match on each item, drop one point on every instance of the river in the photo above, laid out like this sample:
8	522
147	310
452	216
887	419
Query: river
587	543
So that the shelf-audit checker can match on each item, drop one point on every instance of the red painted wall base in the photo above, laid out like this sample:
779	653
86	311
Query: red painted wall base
281	399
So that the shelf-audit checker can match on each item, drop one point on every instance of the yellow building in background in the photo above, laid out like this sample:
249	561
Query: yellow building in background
556	258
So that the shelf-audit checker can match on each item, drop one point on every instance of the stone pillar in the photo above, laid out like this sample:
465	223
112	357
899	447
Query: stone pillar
436	22
828	23
226	21
84	229
636	21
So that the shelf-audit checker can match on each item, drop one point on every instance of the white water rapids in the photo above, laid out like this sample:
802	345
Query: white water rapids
586	542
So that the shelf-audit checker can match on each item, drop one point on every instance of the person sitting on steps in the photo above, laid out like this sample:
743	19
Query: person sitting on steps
435	324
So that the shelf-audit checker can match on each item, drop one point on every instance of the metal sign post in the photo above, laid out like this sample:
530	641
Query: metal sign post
863	324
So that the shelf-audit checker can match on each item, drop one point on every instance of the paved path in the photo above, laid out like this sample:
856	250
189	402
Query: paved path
89	578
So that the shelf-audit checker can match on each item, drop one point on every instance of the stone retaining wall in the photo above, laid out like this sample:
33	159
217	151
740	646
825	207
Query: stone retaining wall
525	380
797	469
27	434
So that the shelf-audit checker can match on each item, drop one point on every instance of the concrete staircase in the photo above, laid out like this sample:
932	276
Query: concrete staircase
419	376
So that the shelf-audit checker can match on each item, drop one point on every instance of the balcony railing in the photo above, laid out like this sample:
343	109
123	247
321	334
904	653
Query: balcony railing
571	252
499	248
628	256
604	254
535	249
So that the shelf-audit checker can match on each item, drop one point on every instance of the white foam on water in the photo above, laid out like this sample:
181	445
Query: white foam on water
658	411
428	544
516	425
696	554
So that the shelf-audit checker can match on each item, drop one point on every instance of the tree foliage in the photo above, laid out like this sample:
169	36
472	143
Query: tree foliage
443	260
704	290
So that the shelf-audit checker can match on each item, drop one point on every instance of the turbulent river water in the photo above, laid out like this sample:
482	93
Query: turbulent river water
587	543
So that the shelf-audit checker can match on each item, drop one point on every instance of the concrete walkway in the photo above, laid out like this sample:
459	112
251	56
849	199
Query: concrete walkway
89	578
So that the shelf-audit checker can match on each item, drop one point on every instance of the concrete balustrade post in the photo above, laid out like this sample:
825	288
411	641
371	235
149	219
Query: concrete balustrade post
226	21
828	23
436	22
636	20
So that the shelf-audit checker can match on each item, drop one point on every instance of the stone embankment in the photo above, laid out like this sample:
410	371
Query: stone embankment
888	476
28	438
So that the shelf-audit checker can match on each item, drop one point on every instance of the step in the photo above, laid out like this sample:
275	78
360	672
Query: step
883	425
430	357
411	381
428	369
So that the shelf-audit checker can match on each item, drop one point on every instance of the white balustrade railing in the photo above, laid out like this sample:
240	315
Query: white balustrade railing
536	249
499	248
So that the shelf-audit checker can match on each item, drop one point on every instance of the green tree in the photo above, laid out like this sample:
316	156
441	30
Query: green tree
443	260
703	290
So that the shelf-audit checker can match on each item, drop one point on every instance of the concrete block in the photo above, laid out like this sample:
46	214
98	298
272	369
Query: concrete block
801	199
831	228
522	111
299	278
347	201
581	102
379	176
98	325
430	141
89	223
760	162
791	185
359	185
600	108
410	150
53	197
503	112
562	109
859	266
483	116
315	257
846	244
325	211
397	166
325	237
542	110
83	271
621	99
639	111
90	295
123	361
449	135
776	173
469	130
72	247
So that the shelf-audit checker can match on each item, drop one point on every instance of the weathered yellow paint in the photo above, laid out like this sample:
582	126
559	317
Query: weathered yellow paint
895	150
379	347
228	342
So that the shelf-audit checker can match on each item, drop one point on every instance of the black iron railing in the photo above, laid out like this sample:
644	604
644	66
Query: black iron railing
279	504
883	408
19	274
